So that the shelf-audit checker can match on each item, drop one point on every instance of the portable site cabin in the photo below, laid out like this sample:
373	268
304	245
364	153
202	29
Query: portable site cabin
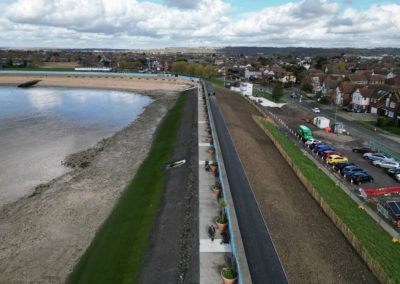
321	122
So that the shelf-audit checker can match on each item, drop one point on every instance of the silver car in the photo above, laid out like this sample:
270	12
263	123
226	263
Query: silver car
376	156
387	164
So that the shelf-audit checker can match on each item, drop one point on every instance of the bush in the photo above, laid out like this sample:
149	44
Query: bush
382	121
228	273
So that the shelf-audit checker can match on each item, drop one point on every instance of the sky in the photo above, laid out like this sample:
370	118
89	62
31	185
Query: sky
137	24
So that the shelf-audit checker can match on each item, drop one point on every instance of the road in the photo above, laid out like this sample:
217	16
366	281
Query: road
261	254
354	129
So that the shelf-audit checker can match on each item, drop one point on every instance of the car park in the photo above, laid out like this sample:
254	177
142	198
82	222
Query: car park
387	164
316	110
333	159
376	156
364	150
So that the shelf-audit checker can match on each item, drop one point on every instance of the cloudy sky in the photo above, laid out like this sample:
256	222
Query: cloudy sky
173	23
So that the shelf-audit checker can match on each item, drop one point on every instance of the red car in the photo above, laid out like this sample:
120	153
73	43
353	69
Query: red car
325	154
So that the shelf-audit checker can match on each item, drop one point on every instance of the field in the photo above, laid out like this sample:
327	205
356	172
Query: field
115	255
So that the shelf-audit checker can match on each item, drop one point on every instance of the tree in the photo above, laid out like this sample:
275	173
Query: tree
277	93
179	67
306	87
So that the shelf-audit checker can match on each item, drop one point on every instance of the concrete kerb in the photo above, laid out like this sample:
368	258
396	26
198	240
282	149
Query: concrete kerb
238	251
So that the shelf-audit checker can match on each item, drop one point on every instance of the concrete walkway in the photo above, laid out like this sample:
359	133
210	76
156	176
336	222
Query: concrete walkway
212	253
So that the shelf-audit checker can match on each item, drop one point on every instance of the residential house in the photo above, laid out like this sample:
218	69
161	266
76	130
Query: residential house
392	107
376	79
315	80
329	88
4	62
358	79
252	74
287	78
361	98
378	102
344	92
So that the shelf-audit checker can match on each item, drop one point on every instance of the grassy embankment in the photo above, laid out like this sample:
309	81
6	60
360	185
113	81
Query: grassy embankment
371	125
115	254
382	253
268	96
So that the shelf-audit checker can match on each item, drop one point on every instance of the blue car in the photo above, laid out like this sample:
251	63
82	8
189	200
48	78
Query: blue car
351	170
318	147
322	149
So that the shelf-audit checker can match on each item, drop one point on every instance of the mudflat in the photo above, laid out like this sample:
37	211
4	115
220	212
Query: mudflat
43	235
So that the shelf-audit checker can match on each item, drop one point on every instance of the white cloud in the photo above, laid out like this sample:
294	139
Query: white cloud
134	24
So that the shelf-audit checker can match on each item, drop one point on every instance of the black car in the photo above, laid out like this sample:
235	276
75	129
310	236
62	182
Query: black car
340	166
313	145
364	150
393	171
359	178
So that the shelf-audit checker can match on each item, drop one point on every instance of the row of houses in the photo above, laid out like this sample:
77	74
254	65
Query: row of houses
274	73
382	100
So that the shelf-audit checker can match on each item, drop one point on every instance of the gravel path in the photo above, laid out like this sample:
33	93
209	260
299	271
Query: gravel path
310	247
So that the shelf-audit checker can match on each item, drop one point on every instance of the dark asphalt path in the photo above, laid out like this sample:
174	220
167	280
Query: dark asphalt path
264	263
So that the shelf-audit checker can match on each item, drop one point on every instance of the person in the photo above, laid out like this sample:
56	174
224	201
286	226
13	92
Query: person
207	166
211	232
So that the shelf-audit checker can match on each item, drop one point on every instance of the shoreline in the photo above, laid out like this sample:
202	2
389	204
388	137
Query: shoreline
43	235
136	84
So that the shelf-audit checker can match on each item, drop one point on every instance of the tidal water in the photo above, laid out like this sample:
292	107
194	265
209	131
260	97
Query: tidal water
39	127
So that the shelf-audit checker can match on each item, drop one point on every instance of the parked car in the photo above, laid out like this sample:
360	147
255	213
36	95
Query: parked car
393	171
387	164
311	141
348	108
294	95
364	150
328	153
376	156
316	110
340	166
348	171
314	145
333	159
359	110
322	147
397	177
361	177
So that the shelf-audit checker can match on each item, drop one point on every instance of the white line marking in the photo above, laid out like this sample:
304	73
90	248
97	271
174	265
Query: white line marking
204	144
206	245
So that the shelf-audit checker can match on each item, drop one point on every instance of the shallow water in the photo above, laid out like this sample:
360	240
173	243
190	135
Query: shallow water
39	127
